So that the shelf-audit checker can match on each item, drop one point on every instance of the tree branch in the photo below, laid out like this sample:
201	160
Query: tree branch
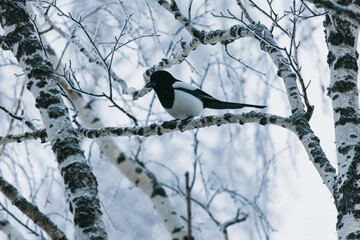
349	13
165	127
186	125
30	210
187	47
38	134
134	171
312	146
247	15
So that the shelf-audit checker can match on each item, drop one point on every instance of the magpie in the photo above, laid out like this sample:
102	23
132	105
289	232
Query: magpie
183	101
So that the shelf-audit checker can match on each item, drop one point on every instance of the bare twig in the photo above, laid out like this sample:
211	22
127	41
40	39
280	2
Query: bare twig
188	203
18	220
245	12
244	64
14	116
189	9
272	15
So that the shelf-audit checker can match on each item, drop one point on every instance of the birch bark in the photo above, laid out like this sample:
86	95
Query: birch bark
80	183
341	38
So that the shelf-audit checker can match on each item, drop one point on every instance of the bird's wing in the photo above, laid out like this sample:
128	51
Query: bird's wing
208	100
180	84
203	96
193	91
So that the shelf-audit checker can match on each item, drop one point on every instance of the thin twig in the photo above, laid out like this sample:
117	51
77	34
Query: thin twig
238	60
188	203
18	220
245	12
14	116
189	10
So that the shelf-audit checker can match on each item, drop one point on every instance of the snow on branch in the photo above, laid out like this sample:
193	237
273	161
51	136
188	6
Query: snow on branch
312	146
211	37
187	47
349	13
268	44
160	129
30	210
38	134
186	125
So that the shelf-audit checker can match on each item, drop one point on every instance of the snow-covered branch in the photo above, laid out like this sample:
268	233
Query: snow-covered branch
19	118
30	210
237	219
187	47
163	128
268	44
312	146
186	125
211	37
80	183
347	12
38	134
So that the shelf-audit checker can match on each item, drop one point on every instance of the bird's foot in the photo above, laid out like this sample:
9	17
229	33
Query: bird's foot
186	120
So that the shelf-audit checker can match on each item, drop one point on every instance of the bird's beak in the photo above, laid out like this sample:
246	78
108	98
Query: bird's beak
150	85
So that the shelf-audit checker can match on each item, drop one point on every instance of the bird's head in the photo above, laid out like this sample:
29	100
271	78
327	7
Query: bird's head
160	79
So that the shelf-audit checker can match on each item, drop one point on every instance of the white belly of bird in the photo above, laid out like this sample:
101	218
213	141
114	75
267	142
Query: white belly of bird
185	105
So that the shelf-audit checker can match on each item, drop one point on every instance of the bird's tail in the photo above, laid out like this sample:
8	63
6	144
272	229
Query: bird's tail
229	105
